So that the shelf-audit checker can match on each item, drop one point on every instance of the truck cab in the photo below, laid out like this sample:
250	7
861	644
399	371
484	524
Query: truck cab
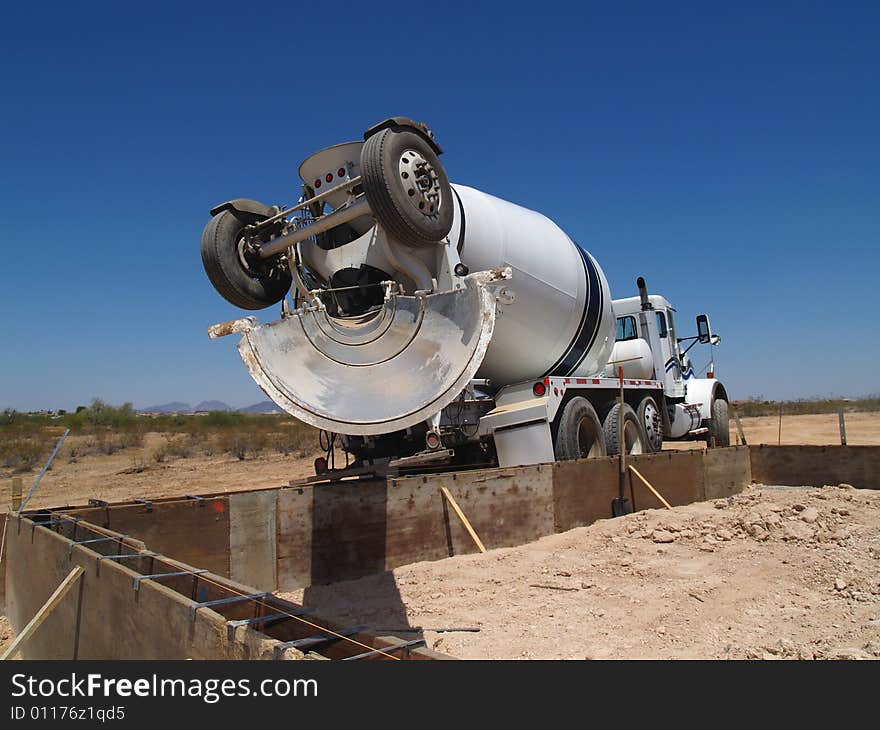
647	346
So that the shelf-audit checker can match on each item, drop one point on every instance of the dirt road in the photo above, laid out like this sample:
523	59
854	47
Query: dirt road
768	574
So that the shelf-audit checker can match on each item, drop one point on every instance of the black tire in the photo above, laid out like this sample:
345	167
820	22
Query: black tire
579	435
651	418
396	201
254	288
634	434
719	426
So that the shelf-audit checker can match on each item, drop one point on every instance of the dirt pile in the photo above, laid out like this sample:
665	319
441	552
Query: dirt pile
770	573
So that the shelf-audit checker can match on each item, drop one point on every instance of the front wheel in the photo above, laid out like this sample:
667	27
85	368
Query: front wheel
580	432
719	427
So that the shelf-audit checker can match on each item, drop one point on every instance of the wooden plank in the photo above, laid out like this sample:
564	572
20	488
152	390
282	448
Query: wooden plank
192	531
72	577
464	520
739	428
344	531
816	466
16	493
726	471
583	491
252	538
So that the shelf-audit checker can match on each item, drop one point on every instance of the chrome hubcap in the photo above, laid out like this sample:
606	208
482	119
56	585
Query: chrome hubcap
421	183
652	426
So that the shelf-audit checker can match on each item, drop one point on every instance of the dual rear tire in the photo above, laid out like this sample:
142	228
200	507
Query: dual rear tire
581	434
623	421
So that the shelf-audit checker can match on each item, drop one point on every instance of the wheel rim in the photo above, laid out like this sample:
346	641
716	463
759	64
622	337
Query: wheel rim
588	439
651	421
421	183
253	266
632	439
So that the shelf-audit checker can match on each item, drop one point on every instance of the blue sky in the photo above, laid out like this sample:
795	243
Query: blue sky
730	155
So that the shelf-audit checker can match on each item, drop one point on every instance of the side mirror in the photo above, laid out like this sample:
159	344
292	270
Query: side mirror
704	329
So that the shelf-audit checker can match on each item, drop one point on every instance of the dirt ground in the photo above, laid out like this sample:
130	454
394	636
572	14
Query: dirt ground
768	574
133	473
862	429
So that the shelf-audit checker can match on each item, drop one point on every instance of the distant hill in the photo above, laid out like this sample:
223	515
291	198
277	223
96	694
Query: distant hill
173	407
213	405
265	406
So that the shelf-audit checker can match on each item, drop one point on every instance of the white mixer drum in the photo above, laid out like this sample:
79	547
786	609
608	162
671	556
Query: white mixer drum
561	321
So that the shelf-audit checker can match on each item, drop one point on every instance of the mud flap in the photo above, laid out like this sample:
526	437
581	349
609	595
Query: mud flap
378	375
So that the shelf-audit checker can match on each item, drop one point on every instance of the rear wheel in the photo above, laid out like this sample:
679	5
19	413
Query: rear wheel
634	438
240	277
719	427
652	422
580	432
407	187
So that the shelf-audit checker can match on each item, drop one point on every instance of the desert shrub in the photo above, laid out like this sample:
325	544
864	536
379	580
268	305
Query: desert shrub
760	407
180	446
22	454
299	441
103	414
131	439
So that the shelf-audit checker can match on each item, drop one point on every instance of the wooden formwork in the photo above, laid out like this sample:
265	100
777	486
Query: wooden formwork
288	538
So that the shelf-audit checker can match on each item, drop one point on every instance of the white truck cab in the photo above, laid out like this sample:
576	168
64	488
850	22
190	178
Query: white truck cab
647	346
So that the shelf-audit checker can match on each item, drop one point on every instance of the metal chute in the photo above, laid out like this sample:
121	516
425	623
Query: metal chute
368	376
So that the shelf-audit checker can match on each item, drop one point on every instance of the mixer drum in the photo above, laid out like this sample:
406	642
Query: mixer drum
560	321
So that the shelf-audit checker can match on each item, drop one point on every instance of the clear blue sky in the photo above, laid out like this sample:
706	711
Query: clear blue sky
730	155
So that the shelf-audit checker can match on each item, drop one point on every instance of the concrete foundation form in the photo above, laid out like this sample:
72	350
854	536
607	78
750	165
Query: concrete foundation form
241	546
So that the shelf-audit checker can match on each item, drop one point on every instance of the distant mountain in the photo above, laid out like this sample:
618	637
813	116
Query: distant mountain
265	406
173	407
213	405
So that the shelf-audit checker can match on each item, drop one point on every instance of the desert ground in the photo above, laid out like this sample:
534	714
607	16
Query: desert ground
731	582
134	473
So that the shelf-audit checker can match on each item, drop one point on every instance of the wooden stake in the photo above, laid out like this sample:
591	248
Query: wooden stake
739	427
648	485
16	493
842	421
464	520
779	438
72	577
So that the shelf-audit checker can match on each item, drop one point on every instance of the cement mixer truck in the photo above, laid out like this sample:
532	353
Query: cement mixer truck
428	324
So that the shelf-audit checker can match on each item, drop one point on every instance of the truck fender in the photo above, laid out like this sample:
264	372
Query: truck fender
405	123
244	205
704	391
